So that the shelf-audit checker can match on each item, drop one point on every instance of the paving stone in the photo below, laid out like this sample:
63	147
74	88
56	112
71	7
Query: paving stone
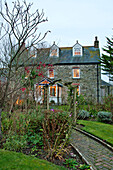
109	167
98	160
95	153
100	163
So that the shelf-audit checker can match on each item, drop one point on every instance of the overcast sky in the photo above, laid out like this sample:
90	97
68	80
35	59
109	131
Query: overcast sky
82	20
71	20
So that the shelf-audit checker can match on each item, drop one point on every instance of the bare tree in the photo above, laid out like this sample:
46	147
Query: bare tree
19	27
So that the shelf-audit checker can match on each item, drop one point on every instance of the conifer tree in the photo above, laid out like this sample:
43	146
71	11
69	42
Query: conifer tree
107	58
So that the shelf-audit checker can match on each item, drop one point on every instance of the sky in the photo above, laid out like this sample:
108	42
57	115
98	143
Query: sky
72	20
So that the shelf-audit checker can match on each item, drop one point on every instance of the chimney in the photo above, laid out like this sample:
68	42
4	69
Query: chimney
96	43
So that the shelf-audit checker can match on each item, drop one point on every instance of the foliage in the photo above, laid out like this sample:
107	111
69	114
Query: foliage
48	129
22	129
81	100
99	129
104	116
15	142
13	160
107	59
108	104
56	131
83	114
71	163
84	166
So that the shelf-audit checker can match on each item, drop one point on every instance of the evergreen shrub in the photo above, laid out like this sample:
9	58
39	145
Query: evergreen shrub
83	114
104	116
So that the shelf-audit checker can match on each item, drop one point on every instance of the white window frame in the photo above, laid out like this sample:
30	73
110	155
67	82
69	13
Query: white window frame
54	47
56	90
49	74
77	46
73	73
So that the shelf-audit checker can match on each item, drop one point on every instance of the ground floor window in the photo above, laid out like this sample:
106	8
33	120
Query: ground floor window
78	90
52	90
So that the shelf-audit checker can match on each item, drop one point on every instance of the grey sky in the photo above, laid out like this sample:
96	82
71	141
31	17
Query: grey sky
71	20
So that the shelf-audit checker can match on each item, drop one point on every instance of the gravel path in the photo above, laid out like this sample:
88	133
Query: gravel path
100	157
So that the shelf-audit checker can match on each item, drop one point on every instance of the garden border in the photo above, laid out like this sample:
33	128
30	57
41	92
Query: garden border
95	138
83	158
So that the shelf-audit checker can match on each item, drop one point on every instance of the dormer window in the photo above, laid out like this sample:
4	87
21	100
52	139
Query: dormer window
54	50
77	49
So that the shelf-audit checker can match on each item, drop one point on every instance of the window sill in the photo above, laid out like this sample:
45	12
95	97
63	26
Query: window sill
75	77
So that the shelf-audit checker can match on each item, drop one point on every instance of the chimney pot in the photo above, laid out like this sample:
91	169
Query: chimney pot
96	42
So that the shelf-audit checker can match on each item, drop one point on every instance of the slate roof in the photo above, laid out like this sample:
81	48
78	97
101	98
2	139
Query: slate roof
90	55
104	83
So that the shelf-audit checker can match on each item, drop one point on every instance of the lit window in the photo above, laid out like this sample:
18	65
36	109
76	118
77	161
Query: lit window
39	90
76	73
51	73
77	51
54	52
53	91
78	90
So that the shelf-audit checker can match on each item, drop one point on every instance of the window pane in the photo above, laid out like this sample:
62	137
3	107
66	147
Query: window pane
78	90
76	73
77	51
51	73
54	52
53	91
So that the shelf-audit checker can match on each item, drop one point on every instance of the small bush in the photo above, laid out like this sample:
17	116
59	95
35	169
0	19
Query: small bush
104	116
83	114
56	132
15	143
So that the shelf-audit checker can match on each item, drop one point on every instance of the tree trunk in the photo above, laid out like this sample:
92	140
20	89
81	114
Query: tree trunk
47	97
75	111
0	127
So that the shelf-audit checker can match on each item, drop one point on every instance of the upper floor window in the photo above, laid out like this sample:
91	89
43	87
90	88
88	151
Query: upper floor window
51	73
76	72
77	49
54	50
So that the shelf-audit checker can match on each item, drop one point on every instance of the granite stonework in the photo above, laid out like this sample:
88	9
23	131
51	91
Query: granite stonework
86	58
90	77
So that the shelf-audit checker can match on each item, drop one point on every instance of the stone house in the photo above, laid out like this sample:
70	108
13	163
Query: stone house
79	65
106	89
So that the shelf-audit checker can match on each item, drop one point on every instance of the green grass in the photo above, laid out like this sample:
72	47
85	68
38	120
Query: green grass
11	160
101	130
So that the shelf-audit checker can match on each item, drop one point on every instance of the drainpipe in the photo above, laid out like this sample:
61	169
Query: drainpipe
97	84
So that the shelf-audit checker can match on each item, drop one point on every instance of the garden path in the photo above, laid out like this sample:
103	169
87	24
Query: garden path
99	156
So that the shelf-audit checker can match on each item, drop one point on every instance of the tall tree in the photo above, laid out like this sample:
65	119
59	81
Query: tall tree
19	26
107	58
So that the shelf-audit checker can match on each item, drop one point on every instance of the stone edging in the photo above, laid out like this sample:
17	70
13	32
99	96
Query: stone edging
95	138
82	157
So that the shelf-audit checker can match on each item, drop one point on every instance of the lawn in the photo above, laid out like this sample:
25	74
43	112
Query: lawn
101	130
19	161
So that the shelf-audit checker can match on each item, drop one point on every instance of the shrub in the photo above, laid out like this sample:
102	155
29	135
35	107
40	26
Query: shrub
104	116
56	131
15	143
83	114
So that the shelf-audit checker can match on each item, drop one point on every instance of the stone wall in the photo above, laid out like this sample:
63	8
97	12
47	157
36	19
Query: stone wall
88	79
